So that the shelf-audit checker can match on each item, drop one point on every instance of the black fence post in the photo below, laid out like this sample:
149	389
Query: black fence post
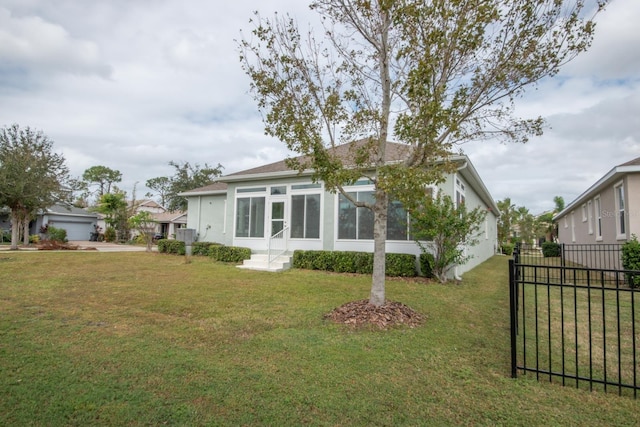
513	314
562	264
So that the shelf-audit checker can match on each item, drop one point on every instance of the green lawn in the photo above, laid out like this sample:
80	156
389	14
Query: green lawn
89	338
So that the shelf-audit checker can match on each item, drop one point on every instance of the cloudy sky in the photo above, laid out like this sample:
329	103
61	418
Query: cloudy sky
134	84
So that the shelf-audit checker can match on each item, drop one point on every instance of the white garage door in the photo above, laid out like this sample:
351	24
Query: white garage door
75	230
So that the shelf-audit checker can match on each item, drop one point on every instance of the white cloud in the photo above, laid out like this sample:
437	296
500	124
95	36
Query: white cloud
170	87
33	46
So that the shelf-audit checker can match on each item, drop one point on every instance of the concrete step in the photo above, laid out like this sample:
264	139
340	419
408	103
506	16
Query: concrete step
260	262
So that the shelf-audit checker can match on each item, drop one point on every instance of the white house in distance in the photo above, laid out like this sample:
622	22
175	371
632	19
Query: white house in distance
246	208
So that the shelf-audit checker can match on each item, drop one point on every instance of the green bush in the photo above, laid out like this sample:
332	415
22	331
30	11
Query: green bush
631	260
202	248
400	265
301	259
34	238
175	247
344	262
140	239
5	236
229	253
364	262
403	265
110	234
426	261
507	248
550	249
57	234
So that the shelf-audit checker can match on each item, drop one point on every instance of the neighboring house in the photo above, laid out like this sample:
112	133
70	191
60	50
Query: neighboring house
166	222
608	212
248	207
169	222
78	223
149	206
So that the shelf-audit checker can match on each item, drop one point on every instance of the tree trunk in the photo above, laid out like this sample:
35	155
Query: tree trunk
25	231
15	230
377	297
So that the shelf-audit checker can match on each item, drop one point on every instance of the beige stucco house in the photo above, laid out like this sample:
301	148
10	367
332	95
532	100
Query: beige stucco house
608	212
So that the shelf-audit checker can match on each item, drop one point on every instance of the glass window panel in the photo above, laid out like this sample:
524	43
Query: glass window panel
297	217
305	186
312	214
346	218
365	216
277	210
257	217
242	217
252	190
281	189
396	222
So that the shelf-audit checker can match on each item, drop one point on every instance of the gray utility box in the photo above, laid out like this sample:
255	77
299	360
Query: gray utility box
186	235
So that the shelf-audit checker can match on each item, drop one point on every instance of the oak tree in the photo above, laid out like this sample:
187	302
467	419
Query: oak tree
32	177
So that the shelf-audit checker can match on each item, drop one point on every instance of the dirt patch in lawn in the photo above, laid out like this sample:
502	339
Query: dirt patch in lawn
363	314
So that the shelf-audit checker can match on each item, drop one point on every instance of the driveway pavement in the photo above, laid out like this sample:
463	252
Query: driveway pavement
110	247
99	246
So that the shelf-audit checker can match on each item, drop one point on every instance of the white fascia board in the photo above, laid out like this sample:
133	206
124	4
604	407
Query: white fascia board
478	184
265	176
87	215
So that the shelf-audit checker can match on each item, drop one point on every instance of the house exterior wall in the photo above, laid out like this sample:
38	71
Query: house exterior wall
487	236
574	226
633	197
259	245
214	218
579	225
207	217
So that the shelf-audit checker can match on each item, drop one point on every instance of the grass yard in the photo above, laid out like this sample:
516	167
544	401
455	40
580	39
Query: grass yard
90	338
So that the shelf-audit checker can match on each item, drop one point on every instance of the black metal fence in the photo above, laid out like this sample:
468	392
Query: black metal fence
574	325
601	256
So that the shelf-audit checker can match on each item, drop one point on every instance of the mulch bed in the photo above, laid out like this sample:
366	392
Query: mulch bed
52	245
362	314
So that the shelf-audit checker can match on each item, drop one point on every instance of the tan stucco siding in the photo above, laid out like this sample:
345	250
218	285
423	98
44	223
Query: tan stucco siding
633	203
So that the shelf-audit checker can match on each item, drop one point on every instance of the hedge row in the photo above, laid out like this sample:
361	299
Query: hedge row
229	253
214	250
403	265
167	246
550	249
202	248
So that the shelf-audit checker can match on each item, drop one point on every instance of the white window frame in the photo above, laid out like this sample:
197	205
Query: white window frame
597	206
584	212
250	192
460	194
620	215
309	190
573	226
590	216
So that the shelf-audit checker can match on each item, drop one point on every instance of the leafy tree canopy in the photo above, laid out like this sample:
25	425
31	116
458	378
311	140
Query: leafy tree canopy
102	177
448	229
186	177
162	186
431	75
32	175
